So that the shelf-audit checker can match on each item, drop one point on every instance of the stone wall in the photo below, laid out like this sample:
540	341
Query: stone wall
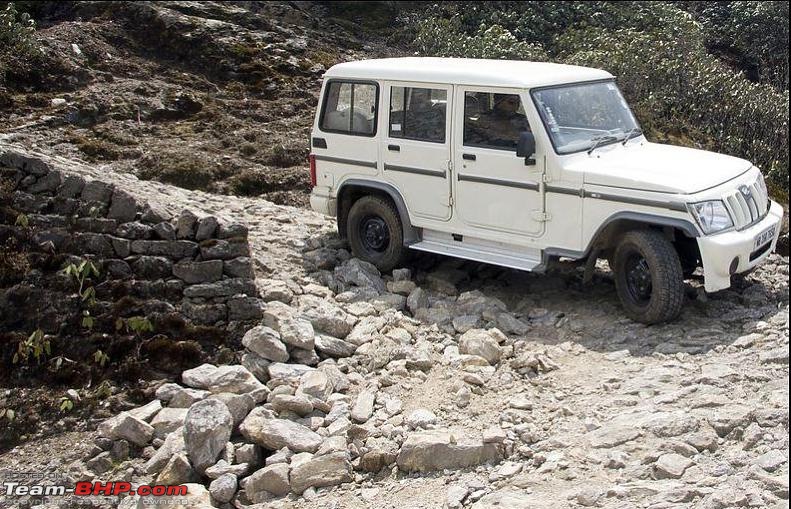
198	267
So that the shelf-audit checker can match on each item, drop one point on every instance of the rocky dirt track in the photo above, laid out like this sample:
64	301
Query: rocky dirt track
417	401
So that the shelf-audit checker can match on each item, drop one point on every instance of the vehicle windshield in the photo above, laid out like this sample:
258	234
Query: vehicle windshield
585	116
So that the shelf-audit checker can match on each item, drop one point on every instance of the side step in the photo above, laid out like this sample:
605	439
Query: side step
479	250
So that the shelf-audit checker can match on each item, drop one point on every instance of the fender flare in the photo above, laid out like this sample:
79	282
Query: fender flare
410	232
687	226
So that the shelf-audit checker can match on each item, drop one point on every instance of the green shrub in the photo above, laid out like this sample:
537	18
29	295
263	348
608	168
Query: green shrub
444	37
752	35
16	34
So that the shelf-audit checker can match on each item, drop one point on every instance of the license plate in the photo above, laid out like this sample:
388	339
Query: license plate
764	237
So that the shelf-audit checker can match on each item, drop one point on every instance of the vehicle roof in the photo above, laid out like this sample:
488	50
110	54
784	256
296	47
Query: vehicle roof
467	71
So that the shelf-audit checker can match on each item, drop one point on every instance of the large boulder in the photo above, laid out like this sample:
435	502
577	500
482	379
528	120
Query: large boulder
272	479
124	426
326	316
223	488
236	379
275	434
207	428
265	342
177	471
355	272
319	471
334	347
315	384
364	405
288	373
428	451
297	333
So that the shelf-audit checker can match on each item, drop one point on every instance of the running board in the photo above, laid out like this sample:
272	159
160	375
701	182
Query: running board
483	251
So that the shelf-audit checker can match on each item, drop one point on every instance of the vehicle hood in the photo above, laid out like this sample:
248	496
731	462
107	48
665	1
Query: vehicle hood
656	167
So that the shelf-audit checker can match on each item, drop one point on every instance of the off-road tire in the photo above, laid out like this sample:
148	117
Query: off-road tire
368	208
666	277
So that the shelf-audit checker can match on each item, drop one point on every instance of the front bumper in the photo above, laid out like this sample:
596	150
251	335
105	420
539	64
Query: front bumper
719	251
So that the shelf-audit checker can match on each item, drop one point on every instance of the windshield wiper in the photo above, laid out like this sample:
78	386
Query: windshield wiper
631	133
601	140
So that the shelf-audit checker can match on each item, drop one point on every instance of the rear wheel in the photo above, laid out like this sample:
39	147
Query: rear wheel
648	277
375	233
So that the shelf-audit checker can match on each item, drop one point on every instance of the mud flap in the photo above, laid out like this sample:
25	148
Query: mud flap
590	266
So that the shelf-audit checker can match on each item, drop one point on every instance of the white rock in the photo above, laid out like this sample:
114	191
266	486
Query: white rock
671	466
207	428
298	333
364	406
483	343
276	433
124	426
427	451
265	341
421	418
321	471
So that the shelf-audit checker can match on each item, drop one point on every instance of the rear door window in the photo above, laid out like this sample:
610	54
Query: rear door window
350	108
418	113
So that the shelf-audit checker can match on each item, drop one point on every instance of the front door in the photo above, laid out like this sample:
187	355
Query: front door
415	147
495	190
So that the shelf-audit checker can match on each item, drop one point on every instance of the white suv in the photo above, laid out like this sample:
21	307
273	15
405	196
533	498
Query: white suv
519	163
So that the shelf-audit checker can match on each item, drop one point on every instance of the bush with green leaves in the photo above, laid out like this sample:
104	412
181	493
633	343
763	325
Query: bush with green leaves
753	35
488	42
16	32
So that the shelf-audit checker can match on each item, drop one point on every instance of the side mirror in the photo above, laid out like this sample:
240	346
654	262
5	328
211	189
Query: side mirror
526	147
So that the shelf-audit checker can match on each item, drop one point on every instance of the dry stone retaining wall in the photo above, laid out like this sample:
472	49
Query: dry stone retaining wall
199	265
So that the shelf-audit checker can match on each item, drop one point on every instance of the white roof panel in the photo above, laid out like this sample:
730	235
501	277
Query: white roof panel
467	71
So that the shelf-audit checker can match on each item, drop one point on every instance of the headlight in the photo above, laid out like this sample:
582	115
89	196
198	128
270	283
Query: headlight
762	184
712	216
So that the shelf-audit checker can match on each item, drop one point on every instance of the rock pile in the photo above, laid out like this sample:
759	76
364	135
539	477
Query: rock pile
299	413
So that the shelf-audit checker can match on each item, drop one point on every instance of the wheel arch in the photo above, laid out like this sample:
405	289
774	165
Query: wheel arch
351	190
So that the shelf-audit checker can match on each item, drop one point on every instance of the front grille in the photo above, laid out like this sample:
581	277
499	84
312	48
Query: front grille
748	204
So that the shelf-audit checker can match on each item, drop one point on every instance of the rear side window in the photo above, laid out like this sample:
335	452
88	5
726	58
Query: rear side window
418	113
493	120
350	108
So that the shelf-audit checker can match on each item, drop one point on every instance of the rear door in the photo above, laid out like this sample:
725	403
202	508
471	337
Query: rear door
344	138
415	146
494	189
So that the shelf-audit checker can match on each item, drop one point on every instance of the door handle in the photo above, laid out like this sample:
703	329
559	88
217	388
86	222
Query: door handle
394	148
468	157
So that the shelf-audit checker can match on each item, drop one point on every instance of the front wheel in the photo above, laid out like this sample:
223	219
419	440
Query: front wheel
375	233
648	277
